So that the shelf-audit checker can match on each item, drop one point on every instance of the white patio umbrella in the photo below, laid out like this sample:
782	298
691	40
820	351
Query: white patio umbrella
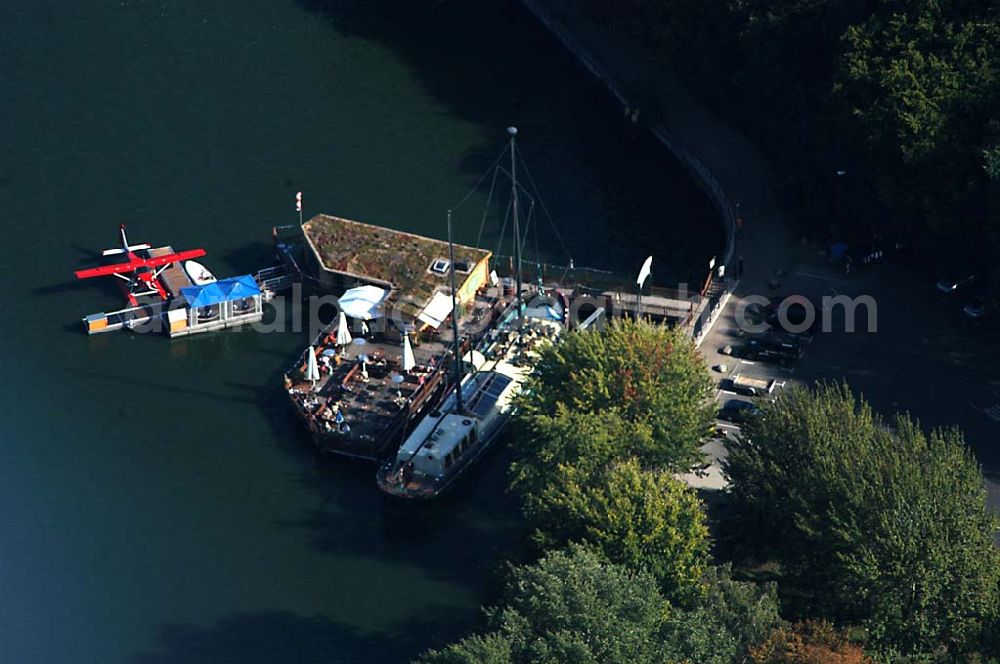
343	333
408	360
362	302
312	368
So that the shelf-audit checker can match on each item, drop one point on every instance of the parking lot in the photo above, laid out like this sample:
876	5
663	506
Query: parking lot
755	363
925	356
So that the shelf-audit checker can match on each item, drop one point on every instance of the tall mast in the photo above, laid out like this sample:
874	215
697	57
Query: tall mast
517	229
454	323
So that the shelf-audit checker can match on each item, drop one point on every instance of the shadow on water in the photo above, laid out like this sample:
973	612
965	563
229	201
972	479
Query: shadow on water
462	537
150	386
250	257
639	200
280	636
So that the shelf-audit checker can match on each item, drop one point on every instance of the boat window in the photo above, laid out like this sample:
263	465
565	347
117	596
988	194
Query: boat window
472	437
447	460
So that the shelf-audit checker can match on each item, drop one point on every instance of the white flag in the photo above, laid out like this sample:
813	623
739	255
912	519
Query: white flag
298	202
644	272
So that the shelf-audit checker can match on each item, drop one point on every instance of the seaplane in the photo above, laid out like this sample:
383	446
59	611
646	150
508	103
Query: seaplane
140	274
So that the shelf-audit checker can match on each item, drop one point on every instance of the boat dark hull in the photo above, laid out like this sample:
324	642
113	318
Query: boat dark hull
439	488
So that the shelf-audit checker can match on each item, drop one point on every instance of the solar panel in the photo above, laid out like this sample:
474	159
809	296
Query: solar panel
490	393
498	384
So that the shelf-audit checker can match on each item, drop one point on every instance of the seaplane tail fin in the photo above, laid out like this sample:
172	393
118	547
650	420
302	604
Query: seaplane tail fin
126	247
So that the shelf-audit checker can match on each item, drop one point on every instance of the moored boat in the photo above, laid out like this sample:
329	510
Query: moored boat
198	273
453	437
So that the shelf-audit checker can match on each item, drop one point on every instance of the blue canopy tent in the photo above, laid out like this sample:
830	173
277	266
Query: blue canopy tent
224	290
239	287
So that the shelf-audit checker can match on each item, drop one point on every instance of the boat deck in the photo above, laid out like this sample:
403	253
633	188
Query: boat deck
376	408
357	382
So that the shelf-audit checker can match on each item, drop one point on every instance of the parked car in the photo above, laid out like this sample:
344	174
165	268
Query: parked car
749	386
775	352
737	411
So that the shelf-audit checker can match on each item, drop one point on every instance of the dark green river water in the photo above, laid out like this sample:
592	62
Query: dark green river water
157	502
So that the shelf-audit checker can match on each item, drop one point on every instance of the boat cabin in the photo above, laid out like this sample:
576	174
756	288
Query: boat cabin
454	435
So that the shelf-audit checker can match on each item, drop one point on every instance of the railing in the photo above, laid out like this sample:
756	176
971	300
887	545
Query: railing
275	279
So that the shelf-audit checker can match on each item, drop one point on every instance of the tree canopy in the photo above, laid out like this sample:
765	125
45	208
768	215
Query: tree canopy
901	98
809	642
874	522
729	619
571	607
641	518
644	373
575	607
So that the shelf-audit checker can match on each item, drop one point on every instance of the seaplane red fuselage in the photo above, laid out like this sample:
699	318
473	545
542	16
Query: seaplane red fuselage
143	273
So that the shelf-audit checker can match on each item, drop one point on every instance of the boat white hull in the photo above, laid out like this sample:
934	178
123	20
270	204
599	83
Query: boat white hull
198	273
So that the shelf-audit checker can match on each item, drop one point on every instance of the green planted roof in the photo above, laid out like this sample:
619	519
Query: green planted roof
385	255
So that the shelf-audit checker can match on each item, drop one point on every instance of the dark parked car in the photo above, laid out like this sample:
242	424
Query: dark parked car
776	352
737	411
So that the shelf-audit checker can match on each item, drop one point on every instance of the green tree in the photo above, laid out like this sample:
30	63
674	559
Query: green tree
646	519
916	90
573	607
643	372
729	619
490	648
576	485
873	522
559	453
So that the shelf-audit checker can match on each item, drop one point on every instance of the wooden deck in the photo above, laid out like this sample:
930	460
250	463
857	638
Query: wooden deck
377	412
174	278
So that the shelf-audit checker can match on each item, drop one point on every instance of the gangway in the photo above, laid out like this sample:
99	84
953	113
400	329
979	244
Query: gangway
273	280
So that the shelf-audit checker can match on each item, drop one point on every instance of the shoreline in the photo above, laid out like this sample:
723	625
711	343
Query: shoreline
876	365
